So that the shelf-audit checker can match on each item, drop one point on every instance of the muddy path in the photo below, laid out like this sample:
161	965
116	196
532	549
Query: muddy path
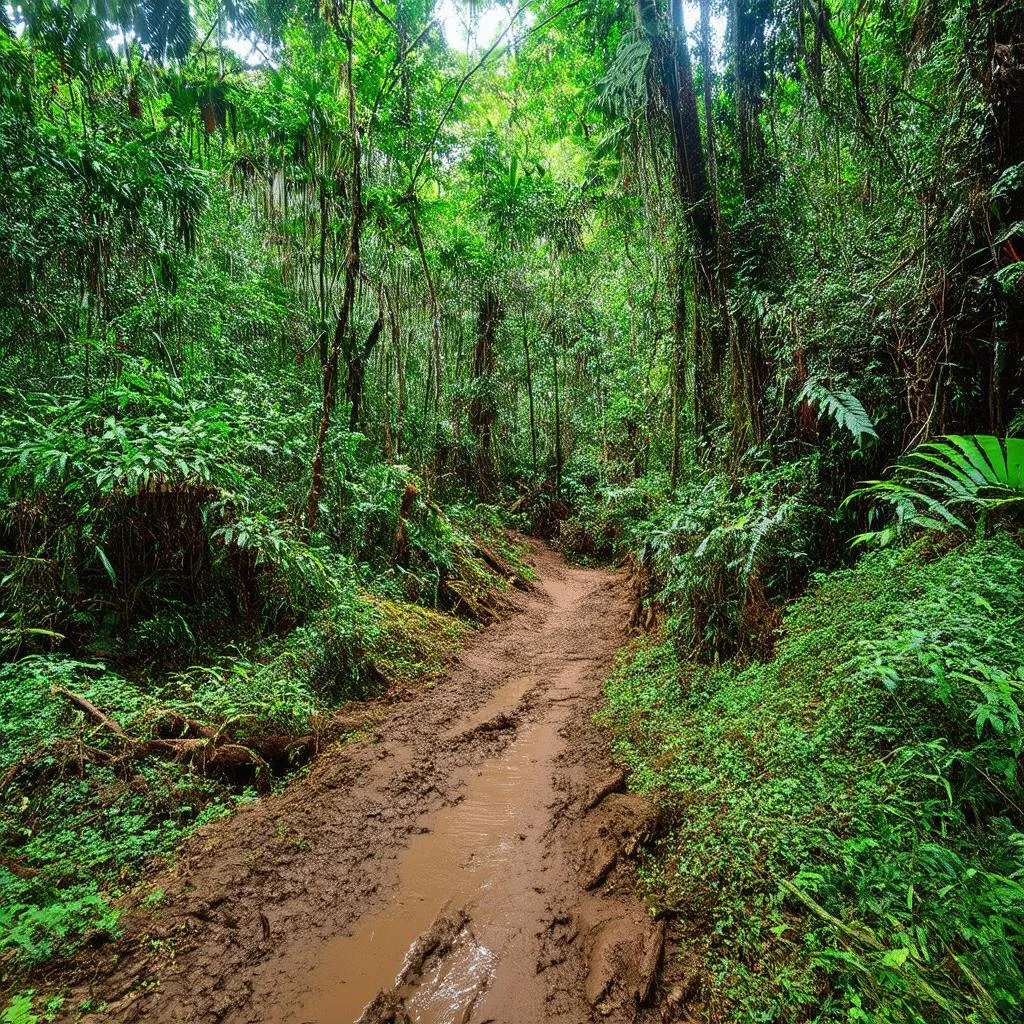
465	863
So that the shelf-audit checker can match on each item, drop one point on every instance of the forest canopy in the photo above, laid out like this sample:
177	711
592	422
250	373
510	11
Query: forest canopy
303	306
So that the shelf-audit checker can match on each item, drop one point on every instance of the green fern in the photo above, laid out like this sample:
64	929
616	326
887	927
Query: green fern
842	406
935	484
623	88
19	1010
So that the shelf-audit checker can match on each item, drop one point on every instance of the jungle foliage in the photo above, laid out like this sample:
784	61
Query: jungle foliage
302	306
842	836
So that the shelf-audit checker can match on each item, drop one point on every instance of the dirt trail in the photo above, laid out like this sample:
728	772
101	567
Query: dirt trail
462	865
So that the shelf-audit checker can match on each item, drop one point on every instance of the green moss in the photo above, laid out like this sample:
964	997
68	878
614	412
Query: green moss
411	643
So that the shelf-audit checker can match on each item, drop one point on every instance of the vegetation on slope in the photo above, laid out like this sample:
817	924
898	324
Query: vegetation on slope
174	645
842	822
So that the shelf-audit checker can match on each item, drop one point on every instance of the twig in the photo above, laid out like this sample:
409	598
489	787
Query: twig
892	273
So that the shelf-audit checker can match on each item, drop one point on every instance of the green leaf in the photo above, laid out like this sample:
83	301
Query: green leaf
844	408
102	555
895	957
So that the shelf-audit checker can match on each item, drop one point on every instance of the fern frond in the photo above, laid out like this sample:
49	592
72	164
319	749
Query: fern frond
623	87
842	406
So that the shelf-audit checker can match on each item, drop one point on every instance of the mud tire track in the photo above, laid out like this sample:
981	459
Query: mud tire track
256	896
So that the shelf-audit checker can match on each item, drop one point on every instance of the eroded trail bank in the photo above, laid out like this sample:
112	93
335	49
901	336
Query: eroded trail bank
461	864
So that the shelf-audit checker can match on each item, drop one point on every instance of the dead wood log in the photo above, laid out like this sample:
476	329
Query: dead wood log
15	867
502	566
211	751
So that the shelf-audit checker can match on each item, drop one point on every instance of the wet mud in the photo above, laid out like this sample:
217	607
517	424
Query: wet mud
468	862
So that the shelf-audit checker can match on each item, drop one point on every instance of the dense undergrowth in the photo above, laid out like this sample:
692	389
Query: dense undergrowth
842	822
718	555
194	743
831	721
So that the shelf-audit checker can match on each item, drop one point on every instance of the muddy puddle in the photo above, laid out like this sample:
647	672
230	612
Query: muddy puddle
481	859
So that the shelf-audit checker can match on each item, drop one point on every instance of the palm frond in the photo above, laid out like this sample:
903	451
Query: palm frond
165	28
978	472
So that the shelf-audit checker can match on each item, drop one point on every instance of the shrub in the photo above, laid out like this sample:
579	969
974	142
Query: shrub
722	556
74	831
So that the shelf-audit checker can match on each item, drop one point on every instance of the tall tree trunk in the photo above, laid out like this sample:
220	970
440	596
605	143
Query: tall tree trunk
558	424
709	118
672	58
355	372
1003	80
352	262
322	275
482	409
678	378
435	311
747	21
529	392
396	348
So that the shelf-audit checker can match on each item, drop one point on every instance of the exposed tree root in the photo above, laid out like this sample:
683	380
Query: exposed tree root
206	749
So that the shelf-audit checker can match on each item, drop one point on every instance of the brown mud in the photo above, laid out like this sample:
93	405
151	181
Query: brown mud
465	863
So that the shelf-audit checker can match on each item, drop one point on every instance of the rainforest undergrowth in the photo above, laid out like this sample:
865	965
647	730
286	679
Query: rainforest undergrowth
307	312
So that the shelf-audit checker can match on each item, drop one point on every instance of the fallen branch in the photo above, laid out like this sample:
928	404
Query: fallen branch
866	938
211	750
15	867
178	726
92	711
502	566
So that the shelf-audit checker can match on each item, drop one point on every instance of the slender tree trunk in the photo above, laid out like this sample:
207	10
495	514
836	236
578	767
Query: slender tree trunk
396	348
435	312
322	275
403	391
678	381
672	58
355	368
482	410
529	392
558	425
352	261
749	365
709	117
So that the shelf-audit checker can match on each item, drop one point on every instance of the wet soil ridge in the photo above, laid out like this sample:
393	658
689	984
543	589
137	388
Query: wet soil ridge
465	863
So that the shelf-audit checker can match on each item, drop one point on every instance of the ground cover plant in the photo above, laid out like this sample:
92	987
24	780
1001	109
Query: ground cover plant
841	822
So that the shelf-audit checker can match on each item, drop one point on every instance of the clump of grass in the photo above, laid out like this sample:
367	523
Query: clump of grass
843	822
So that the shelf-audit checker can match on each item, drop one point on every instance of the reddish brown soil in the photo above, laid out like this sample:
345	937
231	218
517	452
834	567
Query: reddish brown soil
466	862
